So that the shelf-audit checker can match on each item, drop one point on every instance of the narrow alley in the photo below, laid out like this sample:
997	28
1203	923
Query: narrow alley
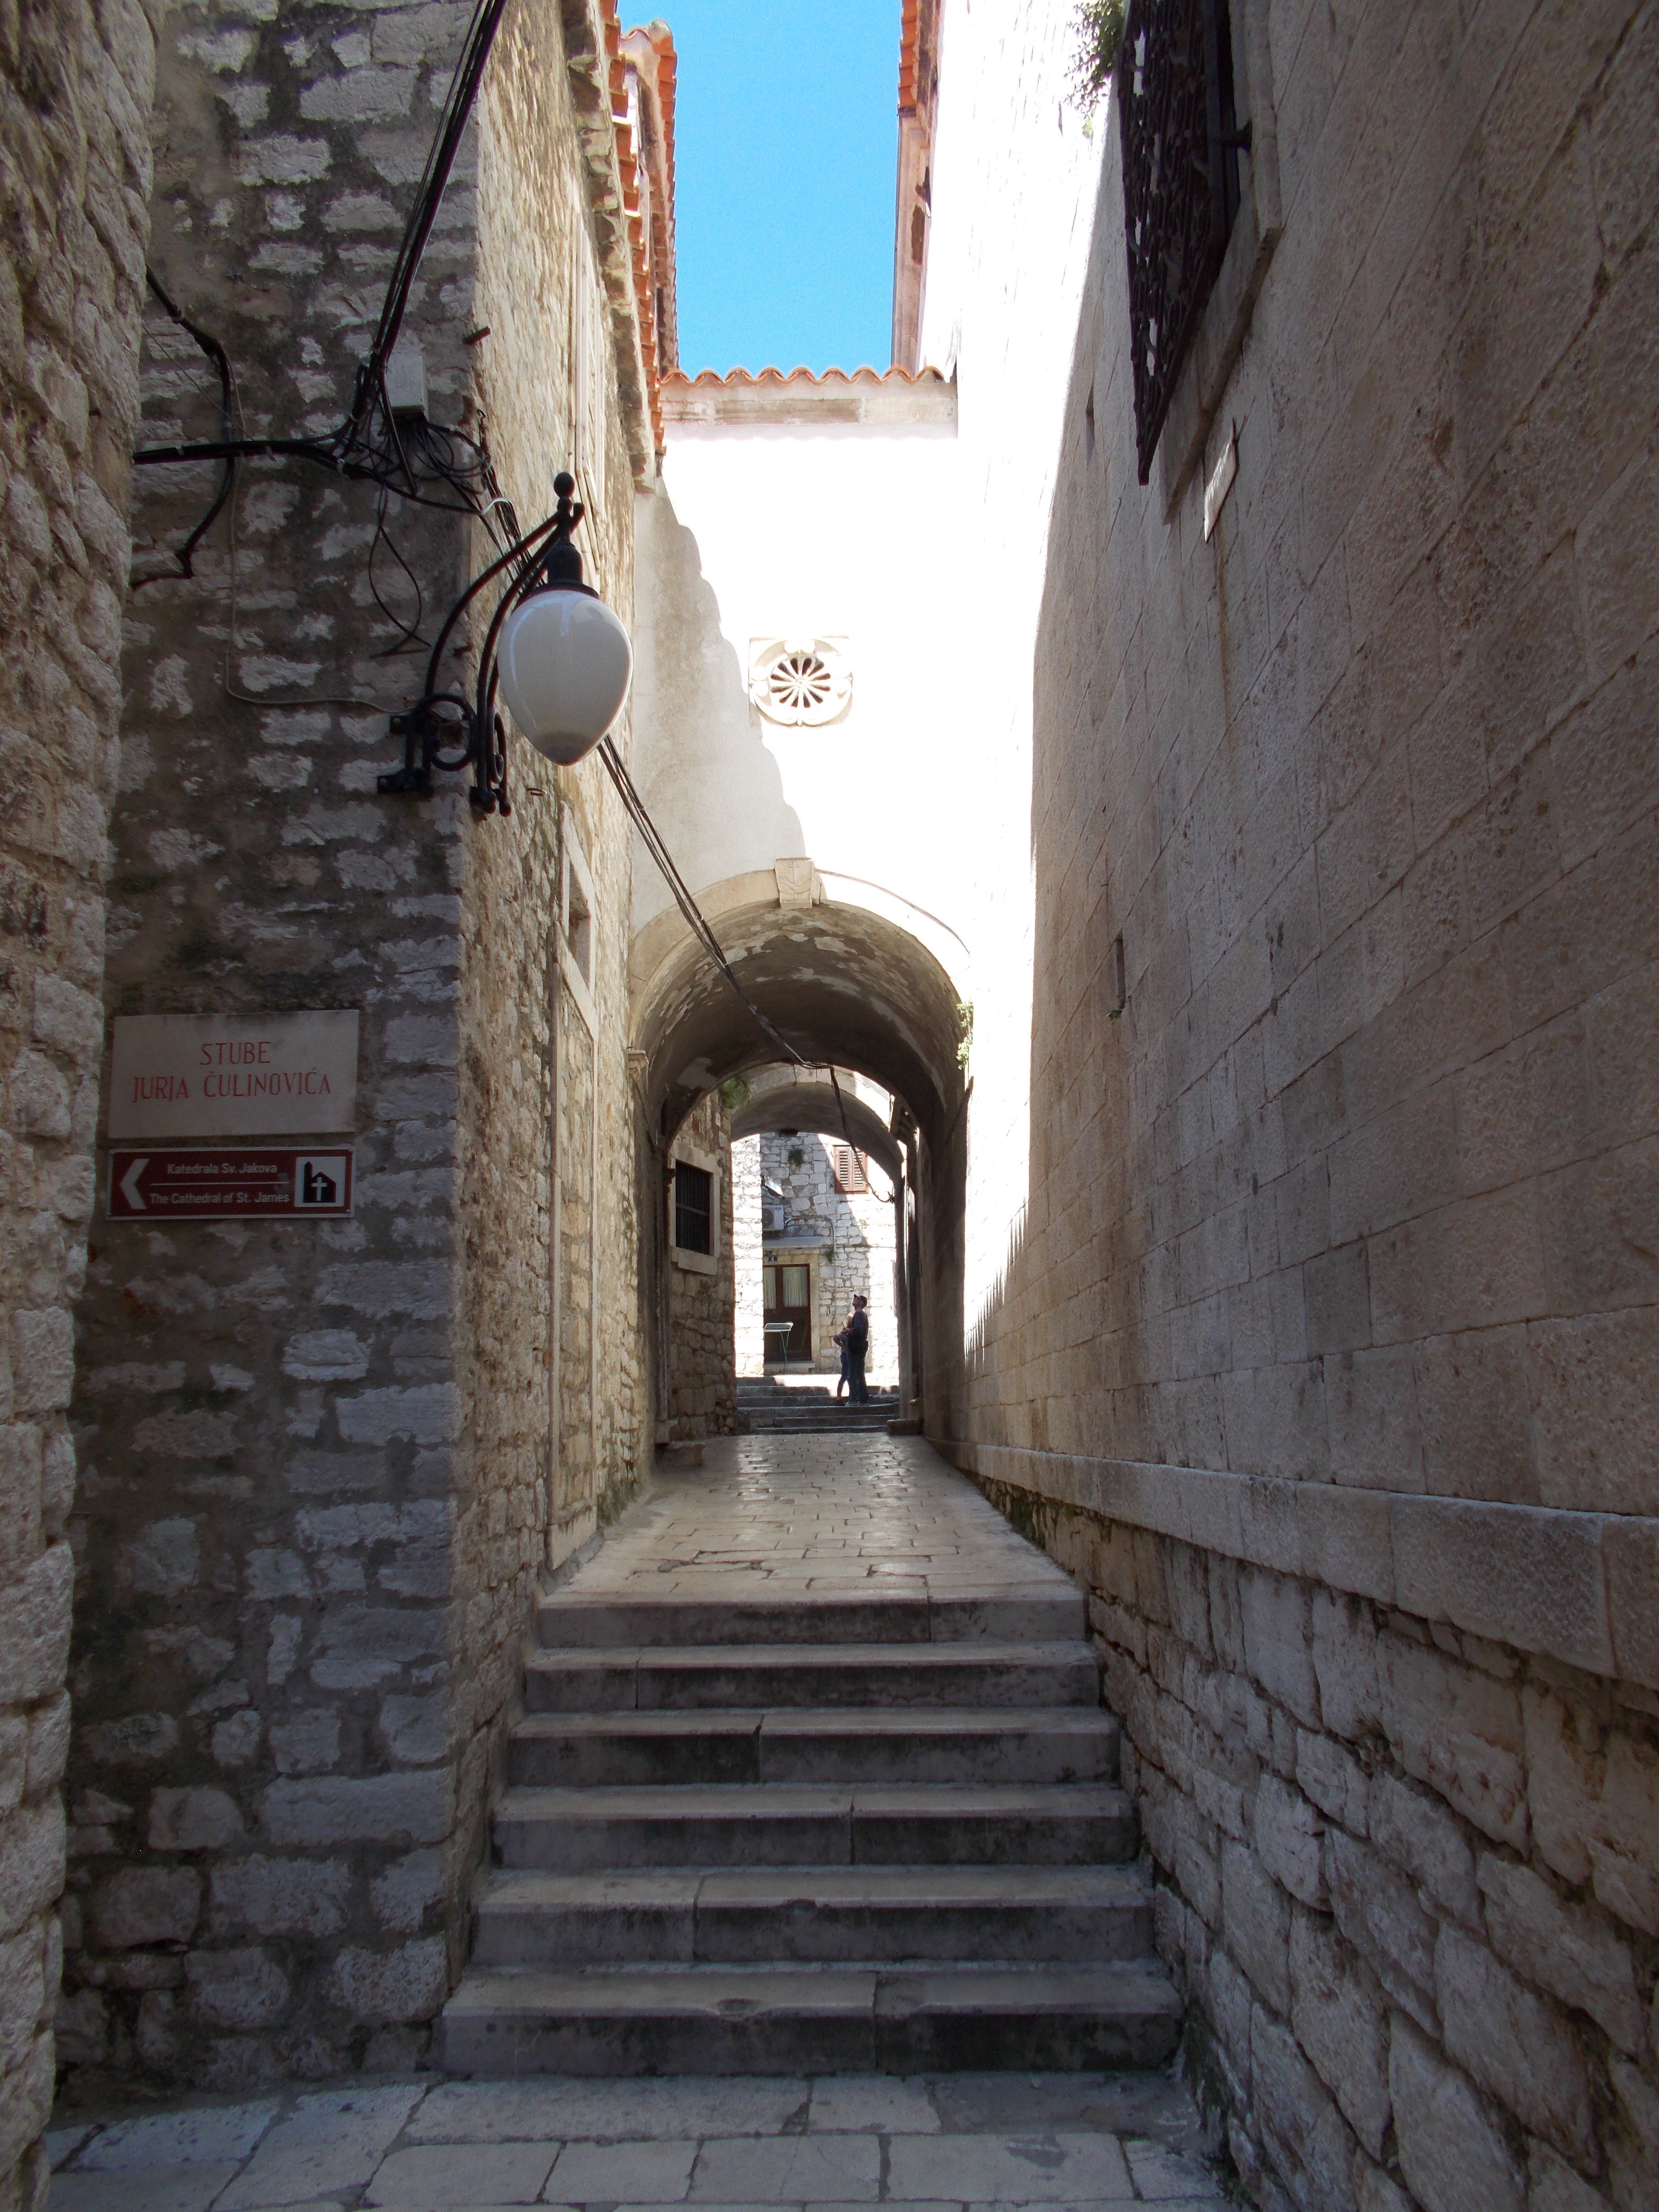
828	1171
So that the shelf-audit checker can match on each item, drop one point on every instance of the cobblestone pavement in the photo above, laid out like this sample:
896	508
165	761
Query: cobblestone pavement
785	1516
964	2142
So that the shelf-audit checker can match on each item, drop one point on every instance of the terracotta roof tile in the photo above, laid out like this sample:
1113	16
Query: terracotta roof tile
678	380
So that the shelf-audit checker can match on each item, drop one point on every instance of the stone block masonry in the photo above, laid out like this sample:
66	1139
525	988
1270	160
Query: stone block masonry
1409	1880
75	92
1325	1349
320	1459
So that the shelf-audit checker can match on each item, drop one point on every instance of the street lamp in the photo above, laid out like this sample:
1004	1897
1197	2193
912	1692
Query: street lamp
558	656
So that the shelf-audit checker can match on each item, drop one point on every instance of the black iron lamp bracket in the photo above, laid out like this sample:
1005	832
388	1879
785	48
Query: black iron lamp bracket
449	733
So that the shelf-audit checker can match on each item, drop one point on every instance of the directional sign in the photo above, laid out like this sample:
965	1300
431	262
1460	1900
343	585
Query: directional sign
205	1184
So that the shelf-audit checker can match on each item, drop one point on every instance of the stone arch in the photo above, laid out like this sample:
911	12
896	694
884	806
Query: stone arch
845	981
805	1099
840	978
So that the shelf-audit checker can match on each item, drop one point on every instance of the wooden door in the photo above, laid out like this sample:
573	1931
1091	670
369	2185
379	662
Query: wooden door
788	1298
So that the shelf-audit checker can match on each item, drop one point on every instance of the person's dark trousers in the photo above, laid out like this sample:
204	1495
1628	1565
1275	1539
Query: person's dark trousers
859	1394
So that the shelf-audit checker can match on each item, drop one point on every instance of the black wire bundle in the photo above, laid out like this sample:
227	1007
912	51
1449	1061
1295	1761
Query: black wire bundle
371	442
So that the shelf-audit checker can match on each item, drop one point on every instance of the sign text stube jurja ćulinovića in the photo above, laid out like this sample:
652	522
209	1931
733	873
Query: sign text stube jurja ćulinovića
233	1075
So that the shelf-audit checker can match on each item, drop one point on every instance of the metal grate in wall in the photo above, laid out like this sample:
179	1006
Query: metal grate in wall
1181	142
694	1207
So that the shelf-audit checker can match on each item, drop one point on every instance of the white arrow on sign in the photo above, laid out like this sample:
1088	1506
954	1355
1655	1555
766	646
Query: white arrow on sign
130	1185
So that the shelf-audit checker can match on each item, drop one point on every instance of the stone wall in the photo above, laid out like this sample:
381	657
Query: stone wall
1327	1346
75	93
319	1478
544	897
701	1289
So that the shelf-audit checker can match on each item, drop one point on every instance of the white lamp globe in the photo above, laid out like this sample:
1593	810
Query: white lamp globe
564	661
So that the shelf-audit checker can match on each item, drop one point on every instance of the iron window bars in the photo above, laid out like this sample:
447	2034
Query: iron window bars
694	1208
1181	143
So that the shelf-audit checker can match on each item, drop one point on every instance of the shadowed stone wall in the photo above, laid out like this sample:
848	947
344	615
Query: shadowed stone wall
1325	1353
703	1375
319	1459
75	92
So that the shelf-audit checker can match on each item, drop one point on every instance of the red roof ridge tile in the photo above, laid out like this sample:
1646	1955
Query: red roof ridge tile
679	379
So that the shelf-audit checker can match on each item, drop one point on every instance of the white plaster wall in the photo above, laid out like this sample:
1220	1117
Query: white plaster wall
926	550
1016	175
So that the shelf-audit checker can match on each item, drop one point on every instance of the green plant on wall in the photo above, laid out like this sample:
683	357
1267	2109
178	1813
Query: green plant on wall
796	1157
965	1030
1099	35
734	1092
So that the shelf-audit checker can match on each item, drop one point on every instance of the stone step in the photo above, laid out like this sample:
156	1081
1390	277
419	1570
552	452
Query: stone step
1013	1914
689	1677
855	1420
1070	1743
1046	1612
819	2019
808	1823
770	1388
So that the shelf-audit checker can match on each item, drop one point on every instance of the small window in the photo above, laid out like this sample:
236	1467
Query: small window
694	1207
579	925
851	1170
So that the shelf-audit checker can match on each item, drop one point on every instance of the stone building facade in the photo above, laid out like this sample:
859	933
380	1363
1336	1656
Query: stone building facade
324	1461
75	166
810	1212
1325	1347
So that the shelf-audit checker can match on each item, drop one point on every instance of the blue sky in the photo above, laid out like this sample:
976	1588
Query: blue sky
785	137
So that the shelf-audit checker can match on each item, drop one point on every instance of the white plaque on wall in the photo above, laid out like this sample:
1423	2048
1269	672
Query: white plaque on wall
233	1075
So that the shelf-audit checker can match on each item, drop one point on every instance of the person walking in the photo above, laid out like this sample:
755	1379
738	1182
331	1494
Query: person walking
856	1350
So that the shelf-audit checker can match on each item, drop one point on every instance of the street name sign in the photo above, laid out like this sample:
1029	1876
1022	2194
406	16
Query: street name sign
233	1075
196	1184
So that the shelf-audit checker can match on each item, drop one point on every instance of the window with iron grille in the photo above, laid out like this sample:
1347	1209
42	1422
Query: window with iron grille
694	1207
1181	145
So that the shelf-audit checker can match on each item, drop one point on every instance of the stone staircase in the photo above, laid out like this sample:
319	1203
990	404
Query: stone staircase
768	1406
825	1834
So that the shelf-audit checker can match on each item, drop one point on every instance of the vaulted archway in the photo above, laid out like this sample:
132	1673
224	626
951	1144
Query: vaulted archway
846	985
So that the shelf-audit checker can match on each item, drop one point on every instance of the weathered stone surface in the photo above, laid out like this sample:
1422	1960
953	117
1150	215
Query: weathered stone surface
1567	1950
407	1983
1257	1920
1303	2126
242	1988
389	1809
200	1819
1453	2152
1414	1830
1287	1834
279	1897
1339	2014
1515	2045
145	1905
1381	1917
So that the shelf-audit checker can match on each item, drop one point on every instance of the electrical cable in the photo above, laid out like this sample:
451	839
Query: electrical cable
221	360
685	899
683	896
354	447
